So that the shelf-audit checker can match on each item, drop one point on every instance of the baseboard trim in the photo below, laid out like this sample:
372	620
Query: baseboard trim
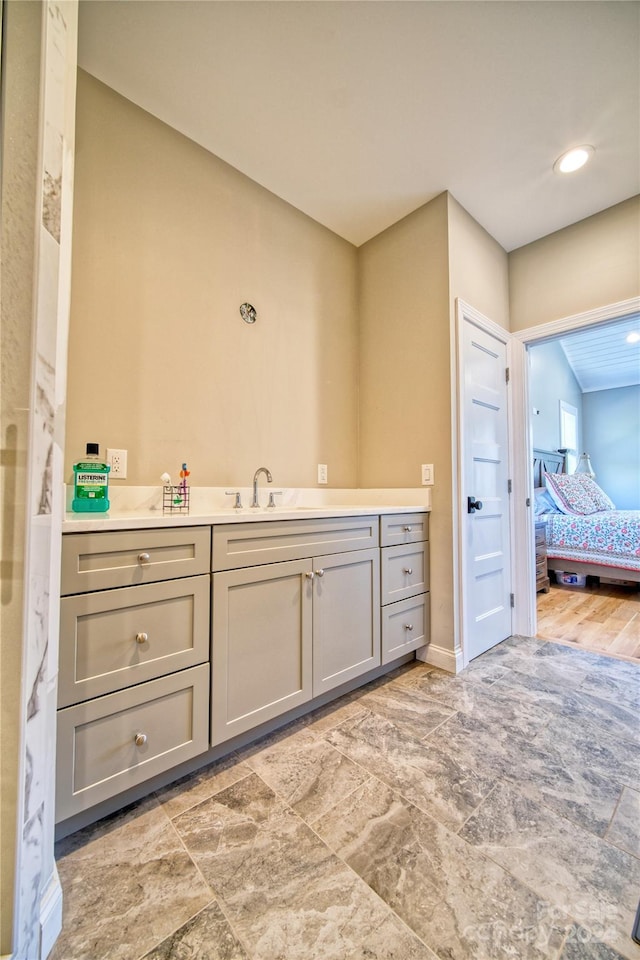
50	914
441	657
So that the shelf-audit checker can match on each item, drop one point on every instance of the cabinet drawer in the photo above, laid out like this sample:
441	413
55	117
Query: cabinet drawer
99	561
97	752
405	571
249	544
118	638
541	569
405	627
403	528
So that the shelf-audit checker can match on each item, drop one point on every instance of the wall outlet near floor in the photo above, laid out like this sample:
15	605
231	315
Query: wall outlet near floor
117	460
323	473
427	474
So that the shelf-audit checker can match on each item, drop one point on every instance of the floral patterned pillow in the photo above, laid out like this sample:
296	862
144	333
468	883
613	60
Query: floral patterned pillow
601	500
570	494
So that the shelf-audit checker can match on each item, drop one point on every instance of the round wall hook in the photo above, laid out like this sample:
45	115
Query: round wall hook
248	313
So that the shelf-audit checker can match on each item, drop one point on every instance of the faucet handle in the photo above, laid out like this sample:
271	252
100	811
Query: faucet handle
273	493
237	505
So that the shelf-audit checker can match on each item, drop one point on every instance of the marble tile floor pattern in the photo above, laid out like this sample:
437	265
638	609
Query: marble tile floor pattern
490	816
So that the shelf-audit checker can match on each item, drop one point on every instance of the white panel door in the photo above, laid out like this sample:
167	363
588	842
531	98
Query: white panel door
485	475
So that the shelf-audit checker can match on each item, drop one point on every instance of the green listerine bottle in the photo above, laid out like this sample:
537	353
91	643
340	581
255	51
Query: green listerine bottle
91	483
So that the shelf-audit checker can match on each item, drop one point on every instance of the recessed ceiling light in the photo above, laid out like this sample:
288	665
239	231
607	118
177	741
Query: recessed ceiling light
633	337
573	159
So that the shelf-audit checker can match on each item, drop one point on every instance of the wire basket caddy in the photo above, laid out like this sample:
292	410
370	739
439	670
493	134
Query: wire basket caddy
175	499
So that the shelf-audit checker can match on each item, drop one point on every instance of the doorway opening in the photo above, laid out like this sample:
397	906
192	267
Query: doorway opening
584	397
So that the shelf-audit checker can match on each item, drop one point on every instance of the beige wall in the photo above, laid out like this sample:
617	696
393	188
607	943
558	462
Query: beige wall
410	276
405	386
478	267
587	265
168	242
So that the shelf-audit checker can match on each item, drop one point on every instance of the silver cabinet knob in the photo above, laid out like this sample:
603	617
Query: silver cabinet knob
142	637
319	573
144	557
408	570
310	575
407	529
140	739
408	626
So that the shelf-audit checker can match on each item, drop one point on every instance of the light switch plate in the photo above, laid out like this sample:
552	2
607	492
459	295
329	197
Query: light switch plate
427	474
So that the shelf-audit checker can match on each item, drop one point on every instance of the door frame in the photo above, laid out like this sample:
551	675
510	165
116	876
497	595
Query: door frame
525	618
513	350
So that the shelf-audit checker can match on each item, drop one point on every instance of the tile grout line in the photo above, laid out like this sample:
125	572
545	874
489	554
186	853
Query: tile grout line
215	898
361	879
203	799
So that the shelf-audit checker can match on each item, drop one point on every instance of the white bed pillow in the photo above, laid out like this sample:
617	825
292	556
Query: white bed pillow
544	503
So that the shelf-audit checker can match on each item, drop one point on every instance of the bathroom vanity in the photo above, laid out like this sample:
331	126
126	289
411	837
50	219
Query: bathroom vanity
181	640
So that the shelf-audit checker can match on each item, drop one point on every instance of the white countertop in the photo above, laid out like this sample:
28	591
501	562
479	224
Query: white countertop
135	508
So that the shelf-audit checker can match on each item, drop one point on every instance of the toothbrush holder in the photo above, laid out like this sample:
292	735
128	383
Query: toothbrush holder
175	499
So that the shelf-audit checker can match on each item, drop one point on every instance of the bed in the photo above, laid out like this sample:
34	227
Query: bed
601	542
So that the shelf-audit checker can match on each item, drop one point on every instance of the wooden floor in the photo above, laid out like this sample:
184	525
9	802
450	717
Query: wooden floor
605	618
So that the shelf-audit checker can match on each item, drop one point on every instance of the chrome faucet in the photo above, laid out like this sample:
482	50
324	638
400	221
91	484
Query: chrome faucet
267	473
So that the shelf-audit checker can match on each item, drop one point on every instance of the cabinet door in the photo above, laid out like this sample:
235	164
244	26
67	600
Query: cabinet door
261	646
346	617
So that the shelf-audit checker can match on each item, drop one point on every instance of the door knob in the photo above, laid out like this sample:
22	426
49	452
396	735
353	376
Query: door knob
473	504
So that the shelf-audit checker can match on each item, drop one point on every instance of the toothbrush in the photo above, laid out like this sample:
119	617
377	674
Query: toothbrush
184	473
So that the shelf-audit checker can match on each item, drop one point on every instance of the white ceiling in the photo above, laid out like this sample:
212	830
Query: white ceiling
601	358
359	112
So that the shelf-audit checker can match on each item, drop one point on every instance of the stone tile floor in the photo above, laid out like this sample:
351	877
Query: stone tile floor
487	816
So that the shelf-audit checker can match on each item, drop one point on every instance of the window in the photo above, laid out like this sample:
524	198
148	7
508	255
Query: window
569	434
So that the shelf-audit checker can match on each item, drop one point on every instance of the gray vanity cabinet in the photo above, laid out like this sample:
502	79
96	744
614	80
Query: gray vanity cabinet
176	640
288	630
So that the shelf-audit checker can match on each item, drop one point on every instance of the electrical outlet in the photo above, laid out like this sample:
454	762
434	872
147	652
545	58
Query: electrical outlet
427	474
117	460
323	474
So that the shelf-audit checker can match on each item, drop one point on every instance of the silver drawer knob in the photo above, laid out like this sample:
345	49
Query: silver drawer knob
140	739
408	626
310	575
407	529
144	557
319	573
142	637
408	570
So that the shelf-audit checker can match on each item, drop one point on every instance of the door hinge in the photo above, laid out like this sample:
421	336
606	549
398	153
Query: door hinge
509	486
507	375
512	599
